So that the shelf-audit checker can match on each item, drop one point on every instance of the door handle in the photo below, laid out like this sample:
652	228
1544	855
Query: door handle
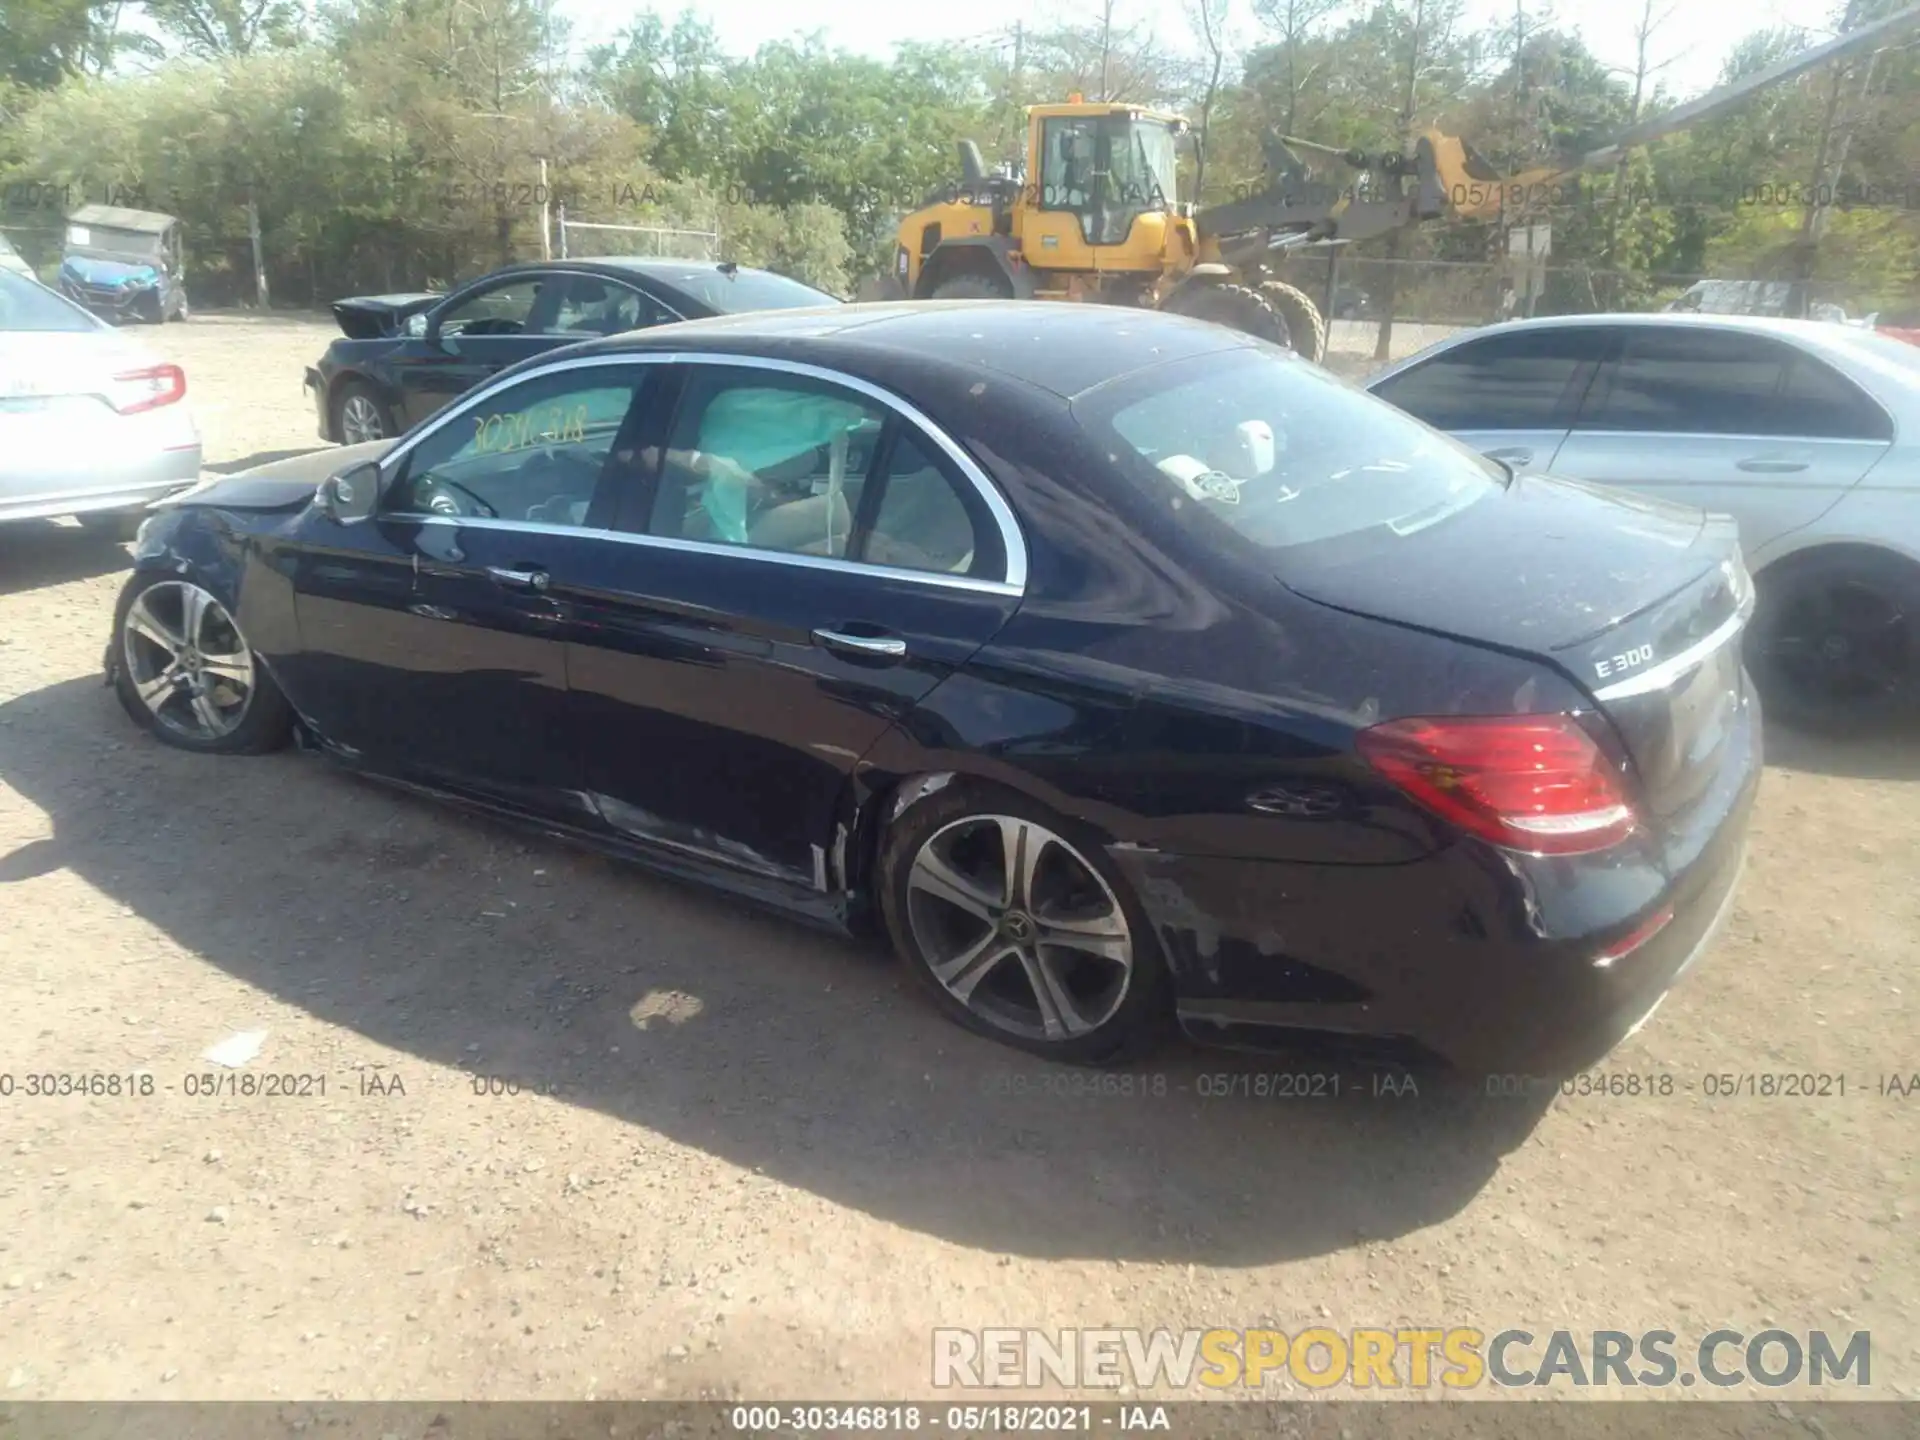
1513	455
533	581
871	647
1770	467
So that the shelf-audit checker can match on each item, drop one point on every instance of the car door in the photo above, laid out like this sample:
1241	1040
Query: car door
1511	395
472	335
1729	420
812	559
433	635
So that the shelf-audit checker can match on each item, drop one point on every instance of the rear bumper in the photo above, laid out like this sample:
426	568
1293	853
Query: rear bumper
117	483
1492	963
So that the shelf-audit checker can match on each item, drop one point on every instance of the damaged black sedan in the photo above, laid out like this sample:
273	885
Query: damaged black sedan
1117	666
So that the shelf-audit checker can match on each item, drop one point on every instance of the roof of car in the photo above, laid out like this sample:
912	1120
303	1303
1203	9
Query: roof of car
118	217
1064	349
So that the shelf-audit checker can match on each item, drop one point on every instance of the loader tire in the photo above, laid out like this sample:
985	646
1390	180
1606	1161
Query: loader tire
1235	306
1305	328
970	286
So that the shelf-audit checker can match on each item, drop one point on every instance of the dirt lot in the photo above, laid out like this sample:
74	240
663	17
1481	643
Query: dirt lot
759	1165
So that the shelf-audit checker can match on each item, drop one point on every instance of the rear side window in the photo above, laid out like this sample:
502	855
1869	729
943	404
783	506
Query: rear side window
28	305
1819	402
1517	381
1715	382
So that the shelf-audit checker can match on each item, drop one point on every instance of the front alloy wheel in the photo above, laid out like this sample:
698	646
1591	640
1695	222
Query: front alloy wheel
187	673
1020	933
186	661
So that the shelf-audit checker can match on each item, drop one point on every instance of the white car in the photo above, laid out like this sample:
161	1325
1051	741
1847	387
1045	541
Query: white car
1808	434
12	261
92	423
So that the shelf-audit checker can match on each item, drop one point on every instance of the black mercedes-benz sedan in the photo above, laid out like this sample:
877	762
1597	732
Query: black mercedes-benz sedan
402	357
1117	666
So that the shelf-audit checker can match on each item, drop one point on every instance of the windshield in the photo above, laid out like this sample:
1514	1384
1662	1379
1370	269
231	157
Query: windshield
746	290
1282	452
104	240
28	305
1142	166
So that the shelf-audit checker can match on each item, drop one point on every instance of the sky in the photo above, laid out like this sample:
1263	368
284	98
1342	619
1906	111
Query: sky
1695	38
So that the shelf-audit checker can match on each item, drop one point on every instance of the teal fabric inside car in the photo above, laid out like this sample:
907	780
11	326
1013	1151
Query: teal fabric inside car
759	430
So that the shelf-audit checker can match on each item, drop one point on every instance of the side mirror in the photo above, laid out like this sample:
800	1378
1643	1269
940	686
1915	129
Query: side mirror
348	497
416	325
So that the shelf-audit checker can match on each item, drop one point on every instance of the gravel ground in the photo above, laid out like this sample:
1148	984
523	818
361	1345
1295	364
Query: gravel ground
743	1158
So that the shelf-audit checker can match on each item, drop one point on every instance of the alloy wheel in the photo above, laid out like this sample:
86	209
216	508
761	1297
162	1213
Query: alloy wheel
187	661
1017	926
1842	643
360	420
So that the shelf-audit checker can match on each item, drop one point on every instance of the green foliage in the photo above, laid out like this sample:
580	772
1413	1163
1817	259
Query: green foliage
403	142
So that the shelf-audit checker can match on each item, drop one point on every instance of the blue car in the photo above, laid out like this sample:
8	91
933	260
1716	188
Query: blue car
125	265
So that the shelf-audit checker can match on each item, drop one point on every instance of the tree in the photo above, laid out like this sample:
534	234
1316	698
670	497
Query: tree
209	29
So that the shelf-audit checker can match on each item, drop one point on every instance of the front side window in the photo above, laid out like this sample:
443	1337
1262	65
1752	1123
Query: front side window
1517	381
533	452
503	310
1281	452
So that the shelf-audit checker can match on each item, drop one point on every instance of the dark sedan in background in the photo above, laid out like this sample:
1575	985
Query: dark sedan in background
405	356
1116	665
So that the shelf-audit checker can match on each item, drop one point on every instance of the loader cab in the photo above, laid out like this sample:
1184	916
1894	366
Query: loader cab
1095	171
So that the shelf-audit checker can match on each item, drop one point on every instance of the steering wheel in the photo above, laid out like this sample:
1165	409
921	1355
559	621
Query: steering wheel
441	496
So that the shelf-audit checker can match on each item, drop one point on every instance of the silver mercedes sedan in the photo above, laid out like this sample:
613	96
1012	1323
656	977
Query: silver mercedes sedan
1807	434
92	423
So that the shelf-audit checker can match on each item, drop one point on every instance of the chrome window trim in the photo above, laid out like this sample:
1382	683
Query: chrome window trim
1730	435
711	547
1012	541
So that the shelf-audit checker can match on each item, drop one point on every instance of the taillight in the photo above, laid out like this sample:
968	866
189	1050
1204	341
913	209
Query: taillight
1526	782
135	390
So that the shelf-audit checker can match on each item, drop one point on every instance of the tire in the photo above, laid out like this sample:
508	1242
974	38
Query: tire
1234	306
970	285
1306	330
119	525
1834	646
1109	1007
356	403
253	716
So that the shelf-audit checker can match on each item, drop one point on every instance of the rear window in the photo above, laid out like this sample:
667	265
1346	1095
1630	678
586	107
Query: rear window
28	305
1281	451
746	290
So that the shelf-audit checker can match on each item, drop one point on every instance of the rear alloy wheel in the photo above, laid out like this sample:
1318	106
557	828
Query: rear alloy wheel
1019	932
359	415
1234	306
184	670
1835	643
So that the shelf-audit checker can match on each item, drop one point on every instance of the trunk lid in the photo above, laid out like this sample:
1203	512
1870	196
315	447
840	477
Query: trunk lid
1640	603
373	317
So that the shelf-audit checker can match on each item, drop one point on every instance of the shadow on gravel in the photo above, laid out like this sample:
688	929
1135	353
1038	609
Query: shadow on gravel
468	945
36	553
1877	757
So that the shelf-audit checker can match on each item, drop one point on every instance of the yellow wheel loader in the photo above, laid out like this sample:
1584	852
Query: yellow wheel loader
1095	215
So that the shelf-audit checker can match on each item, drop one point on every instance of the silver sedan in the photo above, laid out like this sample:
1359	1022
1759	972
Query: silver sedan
1807	434
92	423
